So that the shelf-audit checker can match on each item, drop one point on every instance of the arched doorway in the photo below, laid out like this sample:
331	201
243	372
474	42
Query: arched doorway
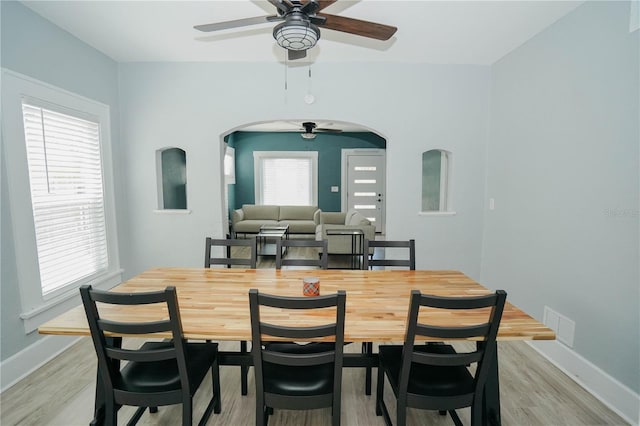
331	139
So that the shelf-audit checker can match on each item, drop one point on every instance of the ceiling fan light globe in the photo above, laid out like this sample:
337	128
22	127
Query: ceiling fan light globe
298	35
308	135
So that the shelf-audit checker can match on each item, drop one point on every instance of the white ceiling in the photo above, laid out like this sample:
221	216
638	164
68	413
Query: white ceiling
437	32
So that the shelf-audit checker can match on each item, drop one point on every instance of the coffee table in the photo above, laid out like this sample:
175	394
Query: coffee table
267	237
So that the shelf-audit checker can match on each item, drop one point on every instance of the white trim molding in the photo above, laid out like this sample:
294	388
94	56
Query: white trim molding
615	395
25	362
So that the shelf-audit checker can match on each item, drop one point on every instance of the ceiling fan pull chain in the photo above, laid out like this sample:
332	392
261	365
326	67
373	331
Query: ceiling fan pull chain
309	98
286	65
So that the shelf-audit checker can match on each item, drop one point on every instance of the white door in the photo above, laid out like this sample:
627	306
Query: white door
363	177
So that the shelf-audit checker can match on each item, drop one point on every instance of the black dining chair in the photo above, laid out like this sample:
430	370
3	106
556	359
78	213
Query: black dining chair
319	261
228	260
371	261
288	376
435	376
368	263
157	373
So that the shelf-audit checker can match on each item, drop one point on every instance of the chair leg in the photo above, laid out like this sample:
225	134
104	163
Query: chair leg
367	349
244	371
111	412
187	412
137	415
476	414
456	419
215	376
153	409
380	391
261	411
401	414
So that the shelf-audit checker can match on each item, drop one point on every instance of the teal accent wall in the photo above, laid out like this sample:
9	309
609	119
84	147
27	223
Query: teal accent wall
329	147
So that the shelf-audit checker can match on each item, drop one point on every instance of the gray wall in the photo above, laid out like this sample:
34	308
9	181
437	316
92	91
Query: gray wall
34	47
414	107
563	169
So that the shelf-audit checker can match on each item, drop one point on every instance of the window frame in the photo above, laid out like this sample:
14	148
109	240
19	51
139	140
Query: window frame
258	156
36	308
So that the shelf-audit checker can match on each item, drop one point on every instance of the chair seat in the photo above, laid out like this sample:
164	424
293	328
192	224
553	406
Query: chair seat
163	376
427	380
298	381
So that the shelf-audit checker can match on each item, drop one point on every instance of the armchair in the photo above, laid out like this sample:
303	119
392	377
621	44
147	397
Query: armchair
341	244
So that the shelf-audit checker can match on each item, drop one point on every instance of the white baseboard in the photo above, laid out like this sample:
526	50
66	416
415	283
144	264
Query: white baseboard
20	365
615	395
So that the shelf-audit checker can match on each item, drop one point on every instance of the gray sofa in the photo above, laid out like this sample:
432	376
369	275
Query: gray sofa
341	244
301	219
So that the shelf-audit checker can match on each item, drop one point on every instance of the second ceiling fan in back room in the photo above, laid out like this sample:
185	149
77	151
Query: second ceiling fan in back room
300	30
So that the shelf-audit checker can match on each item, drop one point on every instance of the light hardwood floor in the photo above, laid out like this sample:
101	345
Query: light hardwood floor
532	391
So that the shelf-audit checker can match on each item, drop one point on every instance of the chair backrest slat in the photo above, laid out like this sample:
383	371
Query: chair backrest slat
298	332
139	355
227	259
476	330
322	261
446	359
409	262
297	302
134	328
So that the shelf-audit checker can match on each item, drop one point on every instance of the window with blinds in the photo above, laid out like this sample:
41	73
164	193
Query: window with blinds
286	178
65	173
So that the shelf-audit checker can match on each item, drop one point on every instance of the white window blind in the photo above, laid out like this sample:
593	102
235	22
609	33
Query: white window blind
286	177
287	181
65	173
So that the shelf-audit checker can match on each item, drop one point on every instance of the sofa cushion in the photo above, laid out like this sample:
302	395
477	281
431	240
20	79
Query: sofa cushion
256	212
297	212
252	226
299	226
335	218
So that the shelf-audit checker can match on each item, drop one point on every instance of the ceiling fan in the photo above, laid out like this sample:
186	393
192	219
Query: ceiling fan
310	130
299	31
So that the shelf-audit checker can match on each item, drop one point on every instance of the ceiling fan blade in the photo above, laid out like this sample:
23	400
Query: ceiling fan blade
280	5
358	27
322	130
325	3
310	7
296	54
236	23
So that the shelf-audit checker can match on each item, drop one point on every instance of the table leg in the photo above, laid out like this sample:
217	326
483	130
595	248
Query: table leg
491	396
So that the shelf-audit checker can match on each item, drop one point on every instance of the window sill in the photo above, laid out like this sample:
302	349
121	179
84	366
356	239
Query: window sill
436	213
173	211
50	309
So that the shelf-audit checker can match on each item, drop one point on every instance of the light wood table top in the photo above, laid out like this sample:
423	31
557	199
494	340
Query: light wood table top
214	303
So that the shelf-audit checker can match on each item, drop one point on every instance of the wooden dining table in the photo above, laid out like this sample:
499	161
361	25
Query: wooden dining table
214	305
